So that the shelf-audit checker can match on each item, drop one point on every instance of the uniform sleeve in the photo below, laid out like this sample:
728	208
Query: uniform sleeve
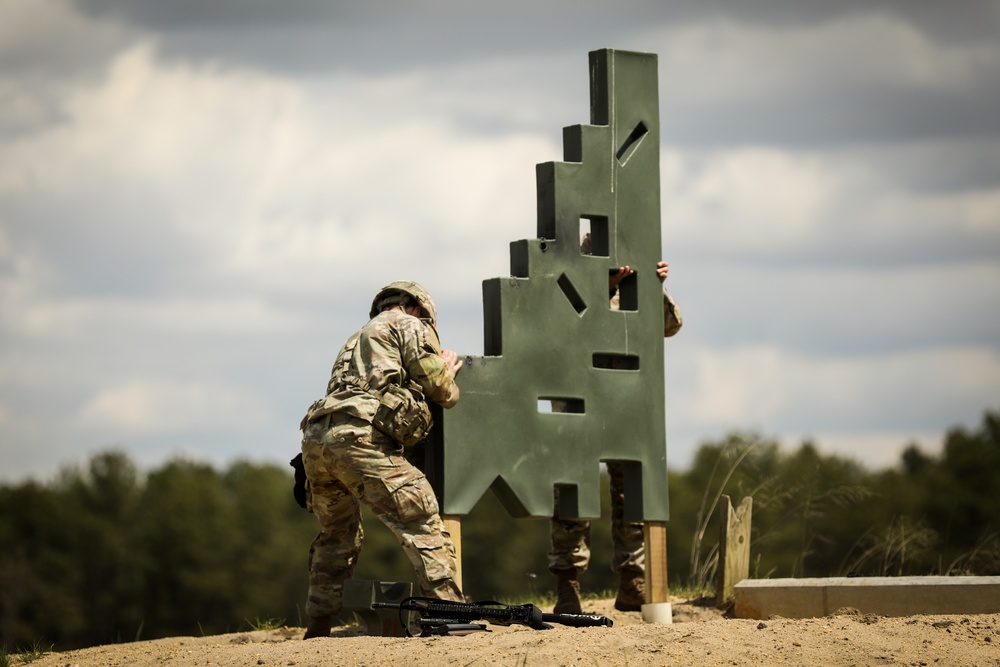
672	319
426	367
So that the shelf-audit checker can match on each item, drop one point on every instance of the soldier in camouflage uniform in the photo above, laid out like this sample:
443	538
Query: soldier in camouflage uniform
349	461
570	554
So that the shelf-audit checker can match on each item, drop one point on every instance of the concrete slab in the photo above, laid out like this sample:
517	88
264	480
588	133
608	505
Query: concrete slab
886	596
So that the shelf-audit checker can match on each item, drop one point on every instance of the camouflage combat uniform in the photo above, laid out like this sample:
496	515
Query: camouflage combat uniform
571	537
348	461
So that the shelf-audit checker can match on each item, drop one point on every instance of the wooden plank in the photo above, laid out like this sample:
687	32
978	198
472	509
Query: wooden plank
734	548
453	526
655	536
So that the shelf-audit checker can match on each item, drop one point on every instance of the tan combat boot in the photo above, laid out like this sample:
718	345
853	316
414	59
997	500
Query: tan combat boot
632	591
319	626
567	593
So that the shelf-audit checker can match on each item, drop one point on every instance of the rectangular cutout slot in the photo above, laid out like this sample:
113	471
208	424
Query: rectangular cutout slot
568	505
492	318
628	293
596	228
574	298
560	405
631	143
631	473
614	361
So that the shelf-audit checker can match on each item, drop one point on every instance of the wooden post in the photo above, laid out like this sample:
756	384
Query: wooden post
655	536
734	548
453	526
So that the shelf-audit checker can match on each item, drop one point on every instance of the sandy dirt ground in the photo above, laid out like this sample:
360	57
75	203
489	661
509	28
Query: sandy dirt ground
698	636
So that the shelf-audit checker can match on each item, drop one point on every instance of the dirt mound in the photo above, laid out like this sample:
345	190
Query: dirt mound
698	636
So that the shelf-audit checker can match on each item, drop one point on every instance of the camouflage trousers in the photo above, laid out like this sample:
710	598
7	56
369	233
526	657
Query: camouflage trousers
571	537
348	462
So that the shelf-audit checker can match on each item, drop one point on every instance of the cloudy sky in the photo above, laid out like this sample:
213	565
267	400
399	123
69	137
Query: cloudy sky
199	199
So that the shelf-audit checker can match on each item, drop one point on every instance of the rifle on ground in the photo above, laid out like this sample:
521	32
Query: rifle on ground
444	617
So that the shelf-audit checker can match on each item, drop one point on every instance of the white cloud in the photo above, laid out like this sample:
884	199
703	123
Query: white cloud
969	213
753	386
244	315
845	205
143	407
46	47
283	187
33	32
756	200
838	310
722	61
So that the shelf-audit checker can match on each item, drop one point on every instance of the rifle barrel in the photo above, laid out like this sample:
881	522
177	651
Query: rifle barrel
578	620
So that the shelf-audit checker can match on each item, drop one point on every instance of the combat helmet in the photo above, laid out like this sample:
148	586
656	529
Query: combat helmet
391	293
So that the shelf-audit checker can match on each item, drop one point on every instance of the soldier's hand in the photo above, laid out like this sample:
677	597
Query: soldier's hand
451	361
615	278
661	270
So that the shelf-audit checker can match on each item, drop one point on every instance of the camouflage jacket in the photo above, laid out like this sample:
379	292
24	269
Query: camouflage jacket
393	348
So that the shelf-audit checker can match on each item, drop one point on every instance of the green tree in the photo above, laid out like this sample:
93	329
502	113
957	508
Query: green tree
189	531
38	576
271	539
103	501
801	507
947	501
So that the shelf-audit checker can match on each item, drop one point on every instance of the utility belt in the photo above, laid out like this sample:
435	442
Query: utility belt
402	412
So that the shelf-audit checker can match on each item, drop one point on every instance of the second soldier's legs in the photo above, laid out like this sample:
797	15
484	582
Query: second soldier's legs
628	545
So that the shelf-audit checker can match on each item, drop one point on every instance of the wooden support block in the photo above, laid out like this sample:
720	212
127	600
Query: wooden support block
734	548
453	526
655	536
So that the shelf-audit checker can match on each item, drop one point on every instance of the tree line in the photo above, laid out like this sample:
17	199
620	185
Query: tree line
106	553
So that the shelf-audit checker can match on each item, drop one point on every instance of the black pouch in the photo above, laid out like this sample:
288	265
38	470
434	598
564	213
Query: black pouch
299	490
